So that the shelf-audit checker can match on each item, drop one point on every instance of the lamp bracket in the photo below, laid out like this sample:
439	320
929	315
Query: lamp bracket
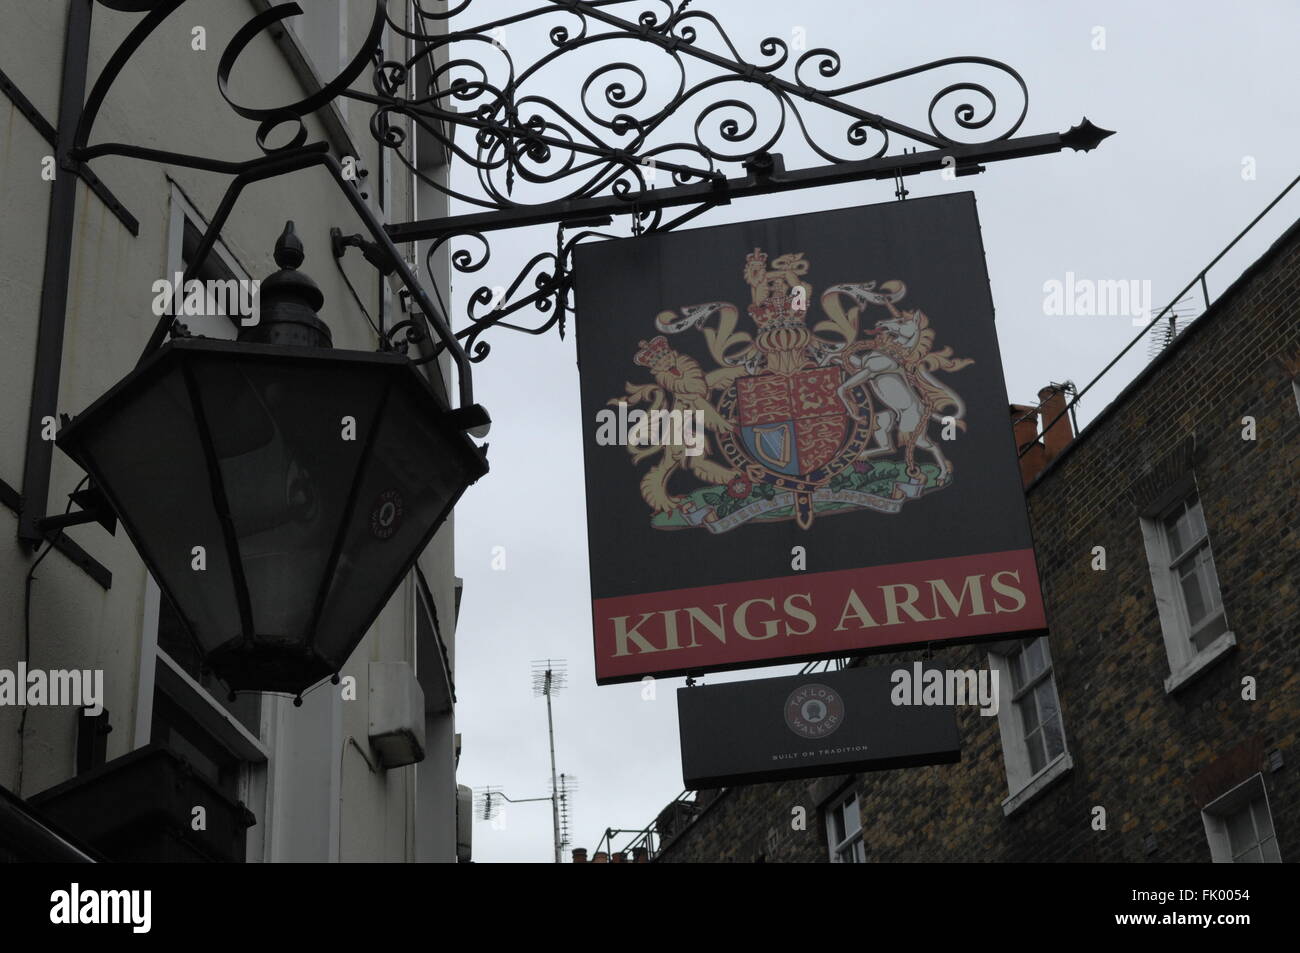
374	253
93	507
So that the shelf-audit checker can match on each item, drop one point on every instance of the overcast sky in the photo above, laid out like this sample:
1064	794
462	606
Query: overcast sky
1200	96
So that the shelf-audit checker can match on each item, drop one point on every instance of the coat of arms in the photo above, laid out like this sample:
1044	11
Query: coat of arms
799	420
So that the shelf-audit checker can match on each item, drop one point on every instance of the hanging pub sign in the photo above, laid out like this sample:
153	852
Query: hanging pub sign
797	442
810	726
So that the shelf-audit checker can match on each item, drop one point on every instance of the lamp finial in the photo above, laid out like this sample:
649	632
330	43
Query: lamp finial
288	248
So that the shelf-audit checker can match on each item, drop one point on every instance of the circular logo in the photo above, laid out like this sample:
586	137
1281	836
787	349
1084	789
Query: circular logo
814	711
386	514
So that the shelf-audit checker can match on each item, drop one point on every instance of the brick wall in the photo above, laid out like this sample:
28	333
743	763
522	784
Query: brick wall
1150	758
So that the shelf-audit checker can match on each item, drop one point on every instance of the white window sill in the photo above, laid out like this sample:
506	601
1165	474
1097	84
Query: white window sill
194	699
1197	666
1038	784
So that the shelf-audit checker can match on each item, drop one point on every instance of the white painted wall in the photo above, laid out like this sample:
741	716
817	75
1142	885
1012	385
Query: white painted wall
322	801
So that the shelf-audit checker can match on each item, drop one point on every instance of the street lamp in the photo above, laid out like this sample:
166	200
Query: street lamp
278	490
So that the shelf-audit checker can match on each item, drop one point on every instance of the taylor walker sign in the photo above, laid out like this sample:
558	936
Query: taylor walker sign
856	485
807	726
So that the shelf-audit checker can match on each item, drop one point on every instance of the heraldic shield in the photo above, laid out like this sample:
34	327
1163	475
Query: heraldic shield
792	425
795	434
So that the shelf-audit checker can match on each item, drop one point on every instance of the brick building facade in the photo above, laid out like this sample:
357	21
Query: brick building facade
1140	704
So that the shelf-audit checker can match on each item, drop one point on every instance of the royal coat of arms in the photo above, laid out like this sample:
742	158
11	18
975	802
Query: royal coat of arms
799	419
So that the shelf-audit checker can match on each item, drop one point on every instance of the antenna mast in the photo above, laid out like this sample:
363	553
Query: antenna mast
549	677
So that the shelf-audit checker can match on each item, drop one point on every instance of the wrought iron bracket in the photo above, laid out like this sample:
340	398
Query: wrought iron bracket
79	169
93	507
768	176
48	362
600	149
577	163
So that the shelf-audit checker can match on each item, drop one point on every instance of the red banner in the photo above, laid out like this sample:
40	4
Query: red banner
811	615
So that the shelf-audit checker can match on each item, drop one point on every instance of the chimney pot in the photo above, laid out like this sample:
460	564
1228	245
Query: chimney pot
579	855
1058	436
1024	420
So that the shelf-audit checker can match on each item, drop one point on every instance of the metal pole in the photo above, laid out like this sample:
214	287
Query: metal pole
555	792
47	367
760	180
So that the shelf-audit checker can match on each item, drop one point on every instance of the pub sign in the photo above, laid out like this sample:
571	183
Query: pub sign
806	726
797	442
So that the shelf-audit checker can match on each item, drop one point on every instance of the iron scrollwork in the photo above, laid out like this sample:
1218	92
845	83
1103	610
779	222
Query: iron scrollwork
702	113
292	156
624	125
608	138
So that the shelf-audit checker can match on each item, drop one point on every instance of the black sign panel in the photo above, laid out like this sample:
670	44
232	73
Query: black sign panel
797	443
808	726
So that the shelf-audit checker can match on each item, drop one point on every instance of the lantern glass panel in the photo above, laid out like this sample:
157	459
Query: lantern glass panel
146	454
414	474
289	441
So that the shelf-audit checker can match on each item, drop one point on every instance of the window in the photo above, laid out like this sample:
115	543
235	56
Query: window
433	663
1029	720
185	232
1190	564
844	832
1037	707
174	728
183	652
193	715
1186	585
1239	826
323	32
184	708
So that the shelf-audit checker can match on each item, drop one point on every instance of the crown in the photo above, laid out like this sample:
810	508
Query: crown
776	311
793	263
654	352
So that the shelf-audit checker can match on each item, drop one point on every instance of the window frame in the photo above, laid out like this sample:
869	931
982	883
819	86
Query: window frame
310	34
1024	784
430	655
1187	659
1216	814
1191	554
1029	691
254	752
184	221
853	843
